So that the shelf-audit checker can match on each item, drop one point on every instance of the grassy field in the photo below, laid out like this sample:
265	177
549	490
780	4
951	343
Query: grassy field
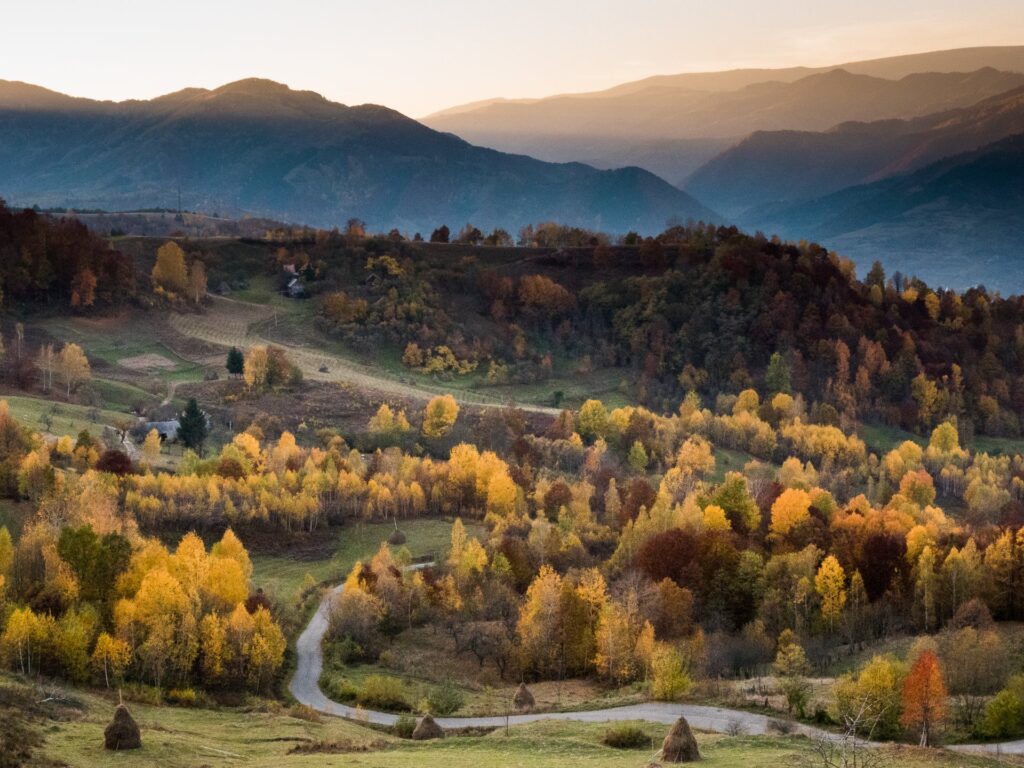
64	418
728	460
270	737
282	574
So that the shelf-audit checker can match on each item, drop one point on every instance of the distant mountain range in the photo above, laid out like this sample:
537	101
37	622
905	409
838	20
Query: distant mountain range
673	124
912	160
773	167
258	147
956	222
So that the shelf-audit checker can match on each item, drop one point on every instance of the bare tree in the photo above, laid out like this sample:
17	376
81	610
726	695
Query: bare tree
849	749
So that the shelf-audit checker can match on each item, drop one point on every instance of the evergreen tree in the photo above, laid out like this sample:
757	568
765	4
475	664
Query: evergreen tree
236	361
777	376
192	427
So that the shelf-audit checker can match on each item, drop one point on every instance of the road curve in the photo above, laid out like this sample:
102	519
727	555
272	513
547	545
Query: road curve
305	687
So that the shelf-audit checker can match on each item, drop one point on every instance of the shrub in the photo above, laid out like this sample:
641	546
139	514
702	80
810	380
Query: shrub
184	697
1003	715
340	689
670	681
445	699
305	712
347	651
404	727
383	692
626	737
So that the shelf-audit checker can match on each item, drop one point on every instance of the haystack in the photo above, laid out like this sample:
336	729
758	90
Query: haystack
523	698
680	746
397	538
123	732
426	728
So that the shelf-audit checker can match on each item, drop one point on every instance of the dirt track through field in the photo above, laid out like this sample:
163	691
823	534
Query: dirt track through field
232	323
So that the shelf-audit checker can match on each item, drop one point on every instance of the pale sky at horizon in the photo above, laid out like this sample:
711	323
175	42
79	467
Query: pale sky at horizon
419	57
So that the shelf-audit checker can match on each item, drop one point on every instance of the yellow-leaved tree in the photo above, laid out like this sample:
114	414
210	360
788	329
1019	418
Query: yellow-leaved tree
170	272
439	416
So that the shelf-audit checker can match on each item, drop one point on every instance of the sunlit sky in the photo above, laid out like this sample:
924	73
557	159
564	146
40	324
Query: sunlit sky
419	56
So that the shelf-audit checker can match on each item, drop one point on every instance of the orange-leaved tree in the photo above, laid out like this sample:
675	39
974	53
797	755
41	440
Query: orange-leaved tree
924	696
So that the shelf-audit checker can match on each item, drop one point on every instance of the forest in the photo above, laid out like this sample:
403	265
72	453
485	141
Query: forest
736	534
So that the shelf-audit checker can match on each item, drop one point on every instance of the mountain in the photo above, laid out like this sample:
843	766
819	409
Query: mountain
774	167
258	147
933	222
671	125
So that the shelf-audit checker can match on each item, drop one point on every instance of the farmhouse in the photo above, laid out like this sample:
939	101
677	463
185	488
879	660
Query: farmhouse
168	430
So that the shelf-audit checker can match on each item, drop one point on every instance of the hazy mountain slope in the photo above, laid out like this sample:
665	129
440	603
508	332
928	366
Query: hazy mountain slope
955	222
667	118
1008	58
776	167
259	147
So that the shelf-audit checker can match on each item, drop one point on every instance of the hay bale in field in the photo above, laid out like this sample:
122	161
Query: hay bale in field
397	538
680	746
427	729
123	732
523	698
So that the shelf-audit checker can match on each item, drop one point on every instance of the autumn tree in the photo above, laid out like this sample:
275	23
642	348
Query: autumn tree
592	420
112	656
169	271
924	697
256	367
152	446
792	669
830	584
439	416
388	424
197	282
83	288
73	367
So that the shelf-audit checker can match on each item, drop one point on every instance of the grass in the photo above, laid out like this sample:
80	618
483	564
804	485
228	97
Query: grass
728	460
282	574
65	418
265	737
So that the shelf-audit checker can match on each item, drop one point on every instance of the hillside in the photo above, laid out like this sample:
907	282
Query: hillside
771	167
257	147
672	124
970	206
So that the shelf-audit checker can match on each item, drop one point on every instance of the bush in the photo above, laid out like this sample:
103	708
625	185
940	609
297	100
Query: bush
404	727
626	737
185	697
1003	716
347	651
445	699
340	689
305	712
781	727
382	692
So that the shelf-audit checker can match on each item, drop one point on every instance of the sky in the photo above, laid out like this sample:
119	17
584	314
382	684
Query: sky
420	56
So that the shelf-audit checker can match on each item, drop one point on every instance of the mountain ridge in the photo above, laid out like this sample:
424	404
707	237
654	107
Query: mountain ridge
258	147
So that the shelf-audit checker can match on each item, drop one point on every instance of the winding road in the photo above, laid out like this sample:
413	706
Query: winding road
305	687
